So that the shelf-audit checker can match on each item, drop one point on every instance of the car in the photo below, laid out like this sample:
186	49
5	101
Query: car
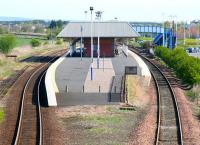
190	50
198	49
195	50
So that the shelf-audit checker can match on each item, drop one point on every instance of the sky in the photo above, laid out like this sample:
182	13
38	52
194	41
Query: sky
124	10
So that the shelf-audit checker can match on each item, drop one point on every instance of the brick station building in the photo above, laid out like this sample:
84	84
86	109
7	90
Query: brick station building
110	32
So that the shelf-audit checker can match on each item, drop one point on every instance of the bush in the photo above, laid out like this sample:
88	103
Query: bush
35	42
134	44
46	43
186	67
7	43
146	44
191	41
59	41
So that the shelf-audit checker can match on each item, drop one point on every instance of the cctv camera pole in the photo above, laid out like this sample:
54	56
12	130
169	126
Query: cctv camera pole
91	69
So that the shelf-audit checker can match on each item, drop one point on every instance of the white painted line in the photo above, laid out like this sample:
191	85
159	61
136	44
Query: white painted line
50	81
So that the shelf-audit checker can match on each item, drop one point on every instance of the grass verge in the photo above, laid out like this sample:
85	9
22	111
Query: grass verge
1	114
103	125
8	66
22	42
131	86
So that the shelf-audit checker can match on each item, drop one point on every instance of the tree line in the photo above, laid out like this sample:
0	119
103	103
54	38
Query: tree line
185	66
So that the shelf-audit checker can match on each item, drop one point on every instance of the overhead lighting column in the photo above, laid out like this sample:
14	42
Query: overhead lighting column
91	69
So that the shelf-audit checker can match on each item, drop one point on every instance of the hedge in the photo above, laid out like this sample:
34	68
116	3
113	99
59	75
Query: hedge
185	66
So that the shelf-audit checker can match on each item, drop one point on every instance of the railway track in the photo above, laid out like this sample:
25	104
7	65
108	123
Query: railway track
169	129
29	124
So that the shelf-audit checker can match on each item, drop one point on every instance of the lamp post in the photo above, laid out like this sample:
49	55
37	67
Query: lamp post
85	15
184	33
189	29
91	70
176	20
163	15
198	33
81	42
98	15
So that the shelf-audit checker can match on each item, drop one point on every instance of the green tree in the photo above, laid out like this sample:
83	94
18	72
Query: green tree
7	43
52	24
59	23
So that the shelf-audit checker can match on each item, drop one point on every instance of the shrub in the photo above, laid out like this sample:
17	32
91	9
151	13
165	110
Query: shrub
191	41
146	44
35	42
7	43
134	44
186	67
59	41
46	43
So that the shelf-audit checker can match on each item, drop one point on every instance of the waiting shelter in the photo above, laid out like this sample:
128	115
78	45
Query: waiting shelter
109	32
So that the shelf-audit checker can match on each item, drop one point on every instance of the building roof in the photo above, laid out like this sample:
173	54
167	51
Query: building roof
106	29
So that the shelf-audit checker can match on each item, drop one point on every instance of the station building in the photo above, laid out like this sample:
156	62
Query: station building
68	81
110	33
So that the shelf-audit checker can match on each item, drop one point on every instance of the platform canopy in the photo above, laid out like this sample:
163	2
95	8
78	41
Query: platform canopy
107	29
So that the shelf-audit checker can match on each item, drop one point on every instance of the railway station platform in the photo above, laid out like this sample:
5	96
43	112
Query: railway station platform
68	81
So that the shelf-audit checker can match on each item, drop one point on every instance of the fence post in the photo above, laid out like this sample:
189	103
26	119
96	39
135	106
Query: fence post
103	61
99	88
115	89
83	88
66	89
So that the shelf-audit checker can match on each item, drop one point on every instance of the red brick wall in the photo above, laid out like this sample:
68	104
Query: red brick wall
106	47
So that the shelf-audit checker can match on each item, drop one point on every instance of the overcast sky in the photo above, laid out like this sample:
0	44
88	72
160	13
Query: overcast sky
127	10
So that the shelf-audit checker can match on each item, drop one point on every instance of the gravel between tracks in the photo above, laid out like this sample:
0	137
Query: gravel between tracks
144	134
190	123
52	132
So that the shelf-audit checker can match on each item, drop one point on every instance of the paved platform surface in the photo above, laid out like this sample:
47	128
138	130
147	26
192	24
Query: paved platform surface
73	77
